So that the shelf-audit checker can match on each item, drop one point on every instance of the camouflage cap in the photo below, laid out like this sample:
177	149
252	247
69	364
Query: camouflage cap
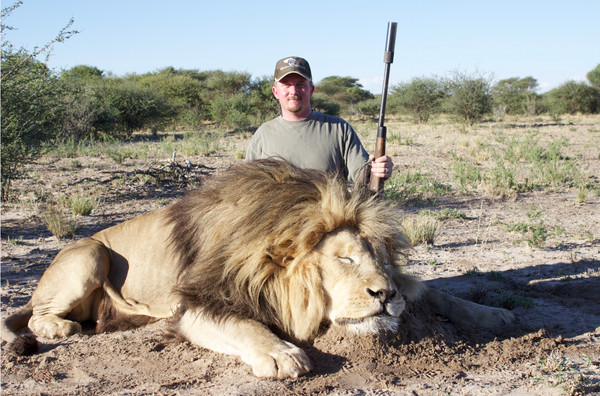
292	64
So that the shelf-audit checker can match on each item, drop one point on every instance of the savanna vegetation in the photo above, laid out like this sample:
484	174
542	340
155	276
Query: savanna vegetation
44	108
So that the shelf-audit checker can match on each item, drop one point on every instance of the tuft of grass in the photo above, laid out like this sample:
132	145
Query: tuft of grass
17	241
444	214
396	138
581	194
414	187
466	174
420	229
58	224
535	233
494	276
512	301
495	295
81	205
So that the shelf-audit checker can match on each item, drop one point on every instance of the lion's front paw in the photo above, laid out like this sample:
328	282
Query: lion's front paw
495	317
284	361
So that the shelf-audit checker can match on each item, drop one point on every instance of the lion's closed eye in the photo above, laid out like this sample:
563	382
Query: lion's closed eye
346	260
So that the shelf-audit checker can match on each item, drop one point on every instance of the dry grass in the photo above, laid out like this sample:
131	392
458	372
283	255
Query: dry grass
420	229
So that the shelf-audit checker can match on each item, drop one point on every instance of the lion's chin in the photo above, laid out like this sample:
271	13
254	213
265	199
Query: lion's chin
370	325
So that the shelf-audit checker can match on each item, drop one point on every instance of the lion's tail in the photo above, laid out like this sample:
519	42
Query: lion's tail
19	344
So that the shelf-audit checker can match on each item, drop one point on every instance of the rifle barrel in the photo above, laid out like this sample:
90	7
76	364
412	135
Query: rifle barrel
376	183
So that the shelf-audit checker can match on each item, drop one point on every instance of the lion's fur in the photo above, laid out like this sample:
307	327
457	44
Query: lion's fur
265	218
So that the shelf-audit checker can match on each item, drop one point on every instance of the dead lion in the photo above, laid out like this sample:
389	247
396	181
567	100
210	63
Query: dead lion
265	245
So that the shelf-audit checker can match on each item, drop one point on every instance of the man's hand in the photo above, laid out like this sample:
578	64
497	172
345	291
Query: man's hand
381	167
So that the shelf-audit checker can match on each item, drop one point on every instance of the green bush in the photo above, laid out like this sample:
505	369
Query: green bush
370	107
516	95
345	91
182	91
233	111
594	77
31	112
422	97
125	107
570	98
469	97
82	112
31	105
324	104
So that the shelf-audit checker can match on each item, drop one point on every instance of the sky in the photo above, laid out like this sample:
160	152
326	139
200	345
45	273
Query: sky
551	41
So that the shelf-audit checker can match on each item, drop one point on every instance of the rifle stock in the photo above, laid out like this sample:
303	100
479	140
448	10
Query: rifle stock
376	183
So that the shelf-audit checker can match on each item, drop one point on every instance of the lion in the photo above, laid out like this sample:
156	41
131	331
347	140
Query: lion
263	249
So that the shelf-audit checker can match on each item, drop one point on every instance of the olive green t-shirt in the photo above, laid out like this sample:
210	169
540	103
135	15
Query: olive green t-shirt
320	142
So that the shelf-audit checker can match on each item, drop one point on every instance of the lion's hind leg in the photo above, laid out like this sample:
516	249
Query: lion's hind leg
70	290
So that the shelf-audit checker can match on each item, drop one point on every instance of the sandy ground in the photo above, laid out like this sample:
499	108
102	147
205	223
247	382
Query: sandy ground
553	348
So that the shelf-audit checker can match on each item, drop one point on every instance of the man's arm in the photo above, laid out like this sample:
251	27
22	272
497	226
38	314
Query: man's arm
254	150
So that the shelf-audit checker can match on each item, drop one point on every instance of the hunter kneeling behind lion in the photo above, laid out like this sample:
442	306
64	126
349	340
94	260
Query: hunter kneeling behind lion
264	245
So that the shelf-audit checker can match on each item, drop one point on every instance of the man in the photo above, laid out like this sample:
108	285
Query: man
307	138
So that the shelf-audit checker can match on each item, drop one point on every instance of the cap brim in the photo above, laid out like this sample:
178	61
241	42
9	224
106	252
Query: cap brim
293	72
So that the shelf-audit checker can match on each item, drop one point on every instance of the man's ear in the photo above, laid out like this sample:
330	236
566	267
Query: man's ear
274	90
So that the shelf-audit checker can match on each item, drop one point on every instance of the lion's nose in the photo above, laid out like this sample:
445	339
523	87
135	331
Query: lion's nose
382	294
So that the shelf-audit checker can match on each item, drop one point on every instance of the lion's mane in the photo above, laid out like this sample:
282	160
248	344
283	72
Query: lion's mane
244	240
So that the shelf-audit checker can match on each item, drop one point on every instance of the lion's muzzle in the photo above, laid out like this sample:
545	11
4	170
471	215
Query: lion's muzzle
383	295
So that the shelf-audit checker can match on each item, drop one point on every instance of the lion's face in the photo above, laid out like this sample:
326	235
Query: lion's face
361	294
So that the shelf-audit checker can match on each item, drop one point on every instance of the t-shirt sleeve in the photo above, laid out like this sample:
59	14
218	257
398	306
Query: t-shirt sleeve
254	150
356	157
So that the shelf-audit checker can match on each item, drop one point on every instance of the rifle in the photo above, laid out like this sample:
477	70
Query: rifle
376	183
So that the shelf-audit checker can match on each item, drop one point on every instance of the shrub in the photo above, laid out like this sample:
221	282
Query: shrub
422	97
570	98
516	95
127	107
370	107
182	91
346	91
232	111
594	77
324	104
31	103
30	110
469	97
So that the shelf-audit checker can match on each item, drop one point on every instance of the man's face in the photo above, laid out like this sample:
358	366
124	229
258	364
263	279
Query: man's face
294	93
